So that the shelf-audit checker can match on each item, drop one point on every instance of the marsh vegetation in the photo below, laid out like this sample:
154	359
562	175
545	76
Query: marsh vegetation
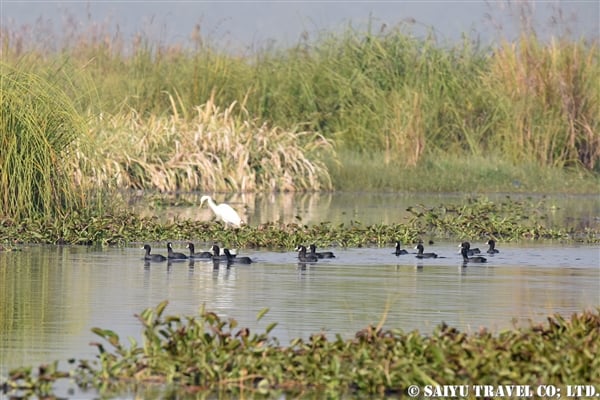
475	218
382	109
374	110
206	354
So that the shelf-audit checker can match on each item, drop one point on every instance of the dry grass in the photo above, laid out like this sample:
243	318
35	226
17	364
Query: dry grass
405	138
210	149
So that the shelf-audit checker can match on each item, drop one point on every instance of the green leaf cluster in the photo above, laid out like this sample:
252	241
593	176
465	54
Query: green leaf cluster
209	354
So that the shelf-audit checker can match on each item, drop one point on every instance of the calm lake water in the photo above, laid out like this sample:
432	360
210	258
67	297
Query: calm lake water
345	207
51	296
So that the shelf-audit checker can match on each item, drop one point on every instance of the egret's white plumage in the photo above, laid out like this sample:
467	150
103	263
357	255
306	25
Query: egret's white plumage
223	211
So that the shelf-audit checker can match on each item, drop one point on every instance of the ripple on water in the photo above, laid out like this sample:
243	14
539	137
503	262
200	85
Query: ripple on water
53	295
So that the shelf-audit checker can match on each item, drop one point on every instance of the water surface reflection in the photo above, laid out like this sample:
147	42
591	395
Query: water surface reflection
50	297
344	207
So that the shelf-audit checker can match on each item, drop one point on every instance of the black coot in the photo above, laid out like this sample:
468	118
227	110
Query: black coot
470	251
421	254
152	257
492	249
203	254
217	256
171	255
399	251
238	260
465	251
322	254
304	257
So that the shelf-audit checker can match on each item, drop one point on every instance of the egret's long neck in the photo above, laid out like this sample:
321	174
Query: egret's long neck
212	205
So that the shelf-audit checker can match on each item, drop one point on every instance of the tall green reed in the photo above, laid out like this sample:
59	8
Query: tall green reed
549	101
38	128
379	90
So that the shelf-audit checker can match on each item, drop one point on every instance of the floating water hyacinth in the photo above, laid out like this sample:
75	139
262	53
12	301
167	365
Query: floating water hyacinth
206	352
478	218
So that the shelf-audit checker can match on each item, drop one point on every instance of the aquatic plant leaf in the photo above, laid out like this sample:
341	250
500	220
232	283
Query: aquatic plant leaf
108	335
270	327
161	307
262	313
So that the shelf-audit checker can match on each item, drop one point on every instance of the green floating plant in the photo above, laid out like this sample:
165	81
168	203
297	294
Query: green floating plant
475	218
209	354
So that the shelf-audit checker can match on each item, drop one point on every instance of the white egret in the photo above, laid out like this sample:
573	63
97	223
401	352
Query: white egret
223	211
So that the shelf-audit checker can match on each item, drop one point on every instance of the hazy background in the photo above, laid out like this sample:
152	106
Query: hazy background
243	25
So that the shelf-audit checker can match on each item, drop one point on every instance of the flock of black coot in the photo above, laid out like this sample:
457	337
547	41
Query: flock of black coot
468	254
214	255
304	256
313	256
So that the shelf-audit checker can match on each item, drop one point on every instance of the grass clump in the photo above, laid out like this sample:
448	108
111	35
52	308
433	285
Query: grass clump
39	128
209	354
207	149
547	111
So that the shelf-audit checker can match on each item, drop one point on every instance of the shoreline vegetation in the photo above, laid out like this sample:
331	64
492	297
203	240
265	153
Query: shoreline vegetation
203	355
376	109
474	218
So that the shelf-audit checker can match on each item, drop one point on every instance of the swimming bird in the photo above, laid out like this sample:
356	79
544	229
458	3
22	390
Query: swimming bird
474	251
304	257
322	254
171	255
217	256
420	253
492	249
238	260
223	211
399	251
204	254
470	251
152	257
465	250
